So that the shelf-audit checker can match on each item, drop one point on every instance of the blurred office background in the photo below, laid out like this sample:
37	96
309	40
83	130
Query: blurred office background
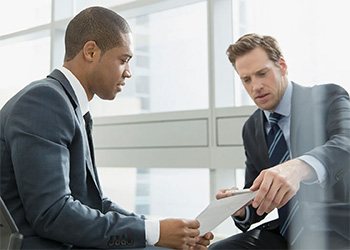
172	138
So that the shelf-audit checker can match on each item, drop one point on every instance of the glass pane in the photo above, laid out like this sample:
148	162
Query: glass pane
313	41
63	9
158	193
82	4
19	15
169	67
68	8
31	62
119	185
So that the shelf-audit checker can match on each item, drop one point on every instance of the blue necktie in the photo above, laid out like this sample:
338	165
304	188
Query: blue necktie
278	153
278	150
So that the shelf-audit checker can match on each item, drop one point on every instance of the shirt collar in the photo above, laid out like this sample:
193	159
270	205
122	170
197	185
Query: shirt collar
78	90
285	104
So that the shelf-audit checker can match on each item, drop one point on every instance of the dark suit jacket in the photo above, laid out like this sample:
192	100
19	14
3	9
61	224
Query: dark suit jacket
47	177
320	127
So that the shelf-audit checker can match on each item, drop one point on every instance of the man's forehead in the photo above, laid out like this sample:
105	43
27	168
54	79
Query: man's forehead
129	43
254	61
127	48
126	39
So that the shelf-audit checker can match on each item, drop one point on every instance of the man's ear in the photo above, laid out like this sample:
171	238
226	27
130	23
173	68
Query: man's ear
283	66
91	51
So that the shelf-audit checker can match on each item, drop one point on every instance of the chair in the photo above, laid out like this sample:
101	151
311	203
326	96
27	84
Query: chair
9	234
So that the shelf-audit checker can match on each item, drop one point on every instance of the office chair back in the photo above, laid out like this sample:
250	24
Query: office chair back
9	234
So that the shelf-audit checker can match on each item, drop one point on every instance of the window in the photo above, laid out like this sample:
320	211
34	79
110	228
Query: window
312	34
169	71
27	59
160	193
68	8
14	12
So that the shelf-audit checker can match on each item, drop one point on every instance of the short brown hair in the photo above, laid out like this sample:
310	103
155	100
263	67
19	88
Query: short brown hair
97	24
248	42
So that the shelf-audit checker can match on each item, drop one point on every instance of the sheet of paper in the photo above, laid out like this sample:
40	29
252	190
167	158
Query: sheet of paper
219	210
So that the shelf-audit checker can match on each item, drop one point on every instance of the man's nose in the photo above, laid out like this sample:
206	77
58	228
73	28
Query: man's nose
257	85
127	73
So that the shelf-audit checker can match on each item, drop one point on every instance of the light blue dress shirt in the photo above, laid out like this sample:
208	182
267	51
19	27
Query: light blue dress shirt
284	108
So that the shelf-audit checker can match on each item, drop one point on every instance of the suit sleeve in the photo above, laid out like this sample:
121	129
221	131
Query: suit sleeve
334	154
41	128
110	206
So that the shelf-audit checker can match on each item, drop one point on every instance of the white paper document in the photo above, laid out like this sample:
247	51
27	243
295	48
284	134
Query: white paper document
219	210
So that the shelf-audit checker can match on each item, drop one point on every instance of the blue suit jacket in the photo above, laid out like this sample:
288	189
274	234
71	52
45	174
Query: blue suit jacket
320	127
47	177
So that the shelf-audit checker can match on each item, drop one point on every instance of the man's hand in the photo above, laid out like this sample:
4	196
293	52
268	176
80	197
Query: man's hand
277	185
240	213
180	234
203	242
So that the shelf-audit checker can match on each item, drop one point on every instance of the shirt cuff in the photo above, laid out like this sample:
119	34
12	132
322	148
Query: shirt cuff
318	167
247	215
152	231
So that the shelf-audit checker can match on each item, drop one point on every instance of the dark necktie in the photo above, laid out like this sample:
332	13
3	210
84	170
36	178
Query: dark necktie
88	128
278	153
278	150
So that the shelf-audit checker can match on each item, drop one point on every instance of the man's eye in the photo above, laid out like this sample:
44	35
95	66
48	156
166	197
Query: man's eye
245	80
262	73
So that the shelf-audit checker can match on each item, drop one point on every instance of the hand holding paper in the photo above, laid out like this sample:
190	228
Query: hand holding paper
219	210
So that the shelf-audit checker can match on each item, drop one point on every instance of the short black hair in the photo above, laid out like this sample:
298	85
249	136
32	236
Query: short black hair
98	24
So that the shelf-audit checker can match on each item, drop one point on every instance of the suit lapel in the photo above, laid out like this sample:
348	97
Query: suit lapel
260	135
58	75
298	109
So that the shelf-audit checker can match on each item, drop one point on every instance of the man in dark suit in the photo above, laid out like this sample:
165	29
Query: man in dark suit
308	128
48	175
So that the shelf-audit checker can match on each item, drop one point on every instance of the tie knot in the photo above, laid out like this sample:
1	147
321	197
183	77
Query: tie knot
274	118
88	120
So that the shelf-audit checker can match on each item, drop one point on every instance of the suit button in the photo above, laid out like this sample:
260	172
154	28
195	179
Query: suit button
339	175
117	243
123	242
111	241
129	242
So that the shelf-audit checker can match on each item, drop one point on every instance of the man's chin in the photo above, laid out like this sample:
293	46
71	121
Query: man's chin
108	97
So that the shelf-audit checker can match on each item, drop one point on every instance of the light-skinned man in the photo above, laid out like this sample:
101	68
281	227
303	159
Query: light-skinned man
297	147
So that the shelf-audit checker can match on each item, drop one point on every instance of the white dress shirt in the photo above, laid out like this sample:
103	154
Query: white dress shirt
152	227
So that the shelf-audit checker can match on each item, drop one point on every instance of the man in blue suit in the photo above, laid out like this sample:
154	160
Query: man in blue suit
308	128
48	175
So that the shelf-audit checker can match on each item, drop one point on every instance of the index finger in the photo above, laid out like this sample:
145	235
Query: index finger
257	182
266	182
192	223
222	194
193	232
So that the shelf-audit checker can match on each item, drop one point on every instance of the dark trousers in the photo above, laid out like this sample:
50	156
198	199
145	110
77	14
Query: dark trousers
267	236
36	243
